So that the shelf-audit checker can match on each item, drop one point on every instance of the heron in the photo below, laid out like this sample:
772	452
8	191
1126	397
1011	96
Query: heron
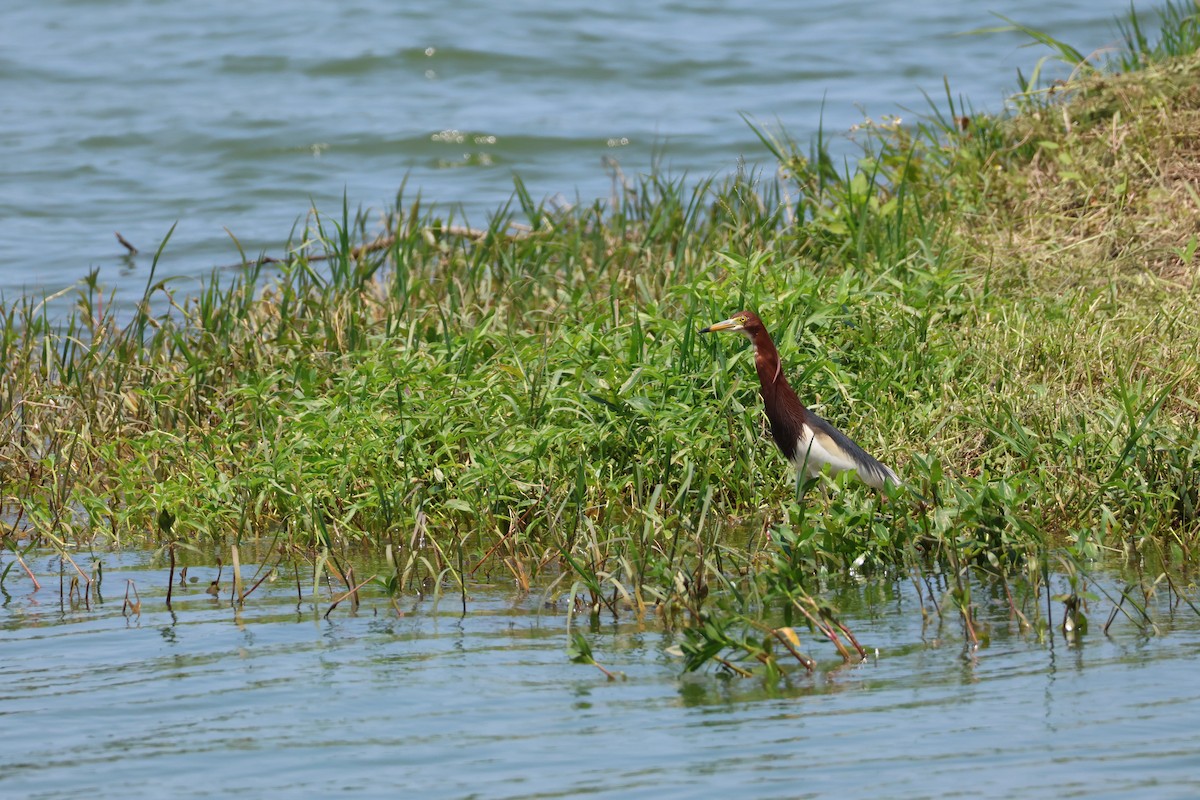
806	440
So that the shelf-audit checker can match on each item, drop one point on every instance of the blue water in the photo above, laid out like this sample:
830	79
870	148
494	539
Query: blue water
277	700
132	115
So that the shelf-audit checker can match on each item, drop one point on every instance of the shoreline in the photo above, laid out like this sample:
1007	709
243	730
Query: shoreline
1003	307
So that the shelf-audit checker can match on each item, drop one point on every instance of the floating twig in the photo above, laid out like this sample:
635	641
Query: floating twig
133	251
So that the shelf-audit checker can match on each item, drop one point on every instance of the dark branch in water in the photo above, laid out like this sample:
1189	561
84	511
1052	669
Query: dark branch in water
133	251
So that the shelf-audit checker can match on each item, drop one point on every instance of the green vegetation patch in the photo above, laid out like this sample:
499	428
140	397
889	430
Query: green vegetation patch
1004	309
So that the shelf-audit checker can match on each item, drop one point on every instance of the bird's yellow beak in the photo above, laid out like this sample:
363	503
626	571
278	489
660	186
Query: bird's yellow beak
731	324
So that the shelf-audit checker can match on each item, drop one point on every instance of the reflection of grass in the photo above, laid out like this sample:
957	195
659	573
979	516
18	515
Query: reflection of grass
1003	308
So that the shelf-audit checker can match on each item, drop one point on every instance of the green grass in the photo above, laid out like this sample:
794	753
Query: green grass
1003	309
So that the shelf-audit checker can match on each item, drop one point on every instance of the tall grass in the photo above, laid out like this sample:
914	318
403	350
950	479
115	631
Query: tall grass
1177	35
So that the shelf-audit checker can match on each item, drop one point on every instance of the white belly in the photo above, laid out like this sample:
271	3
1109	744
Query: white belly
817	451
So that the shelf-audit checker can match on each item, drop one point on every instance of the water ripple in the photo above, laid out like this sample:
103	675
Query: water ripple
278	700
133	117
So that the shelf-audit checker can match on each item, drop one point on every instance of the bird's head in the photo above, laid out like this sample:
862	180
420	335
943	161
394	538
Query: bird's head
745	322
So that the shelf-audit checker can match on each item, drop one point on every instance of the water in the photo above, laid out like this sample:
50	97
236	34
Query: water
278	701
132	115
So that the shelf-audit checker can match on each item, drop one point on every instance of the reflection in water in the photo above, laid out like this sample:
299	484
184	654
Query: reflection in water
278	700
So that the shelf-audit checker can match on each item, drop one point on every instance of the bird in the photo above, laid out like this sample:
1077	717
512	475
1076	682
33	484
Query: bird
806	440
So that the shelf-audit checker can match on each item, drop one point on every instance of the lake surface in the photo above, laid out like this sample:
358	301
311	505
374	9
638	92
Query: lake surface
278	701
132	115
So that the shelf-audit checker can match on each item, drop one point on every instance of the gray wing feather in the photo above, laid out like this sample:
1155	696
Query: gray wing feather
869	469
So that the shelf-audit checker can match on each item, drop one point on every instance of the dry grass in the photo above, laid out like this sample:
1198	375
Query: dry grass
1111	189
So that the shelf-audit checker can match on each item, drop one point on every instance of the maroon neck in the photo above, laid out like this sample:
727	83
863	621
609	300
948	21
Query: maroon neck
777	393
785	412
